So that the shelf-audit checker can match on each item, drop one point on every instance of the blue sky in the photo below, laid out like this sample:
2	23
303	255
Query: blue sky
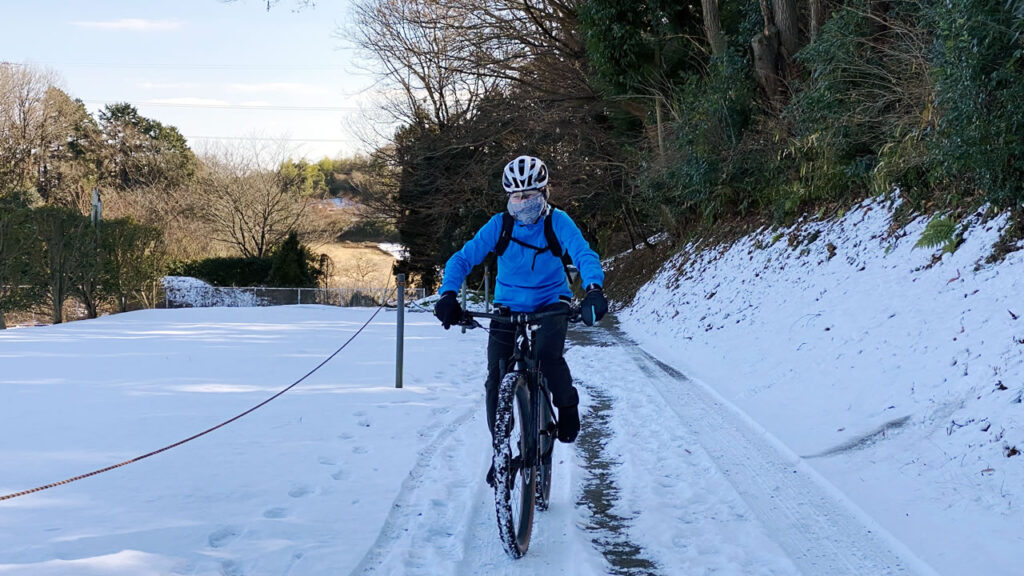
218	71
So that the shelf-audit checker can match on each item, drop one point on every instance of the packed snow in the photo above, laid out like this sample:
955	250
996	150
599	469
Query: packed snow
823	399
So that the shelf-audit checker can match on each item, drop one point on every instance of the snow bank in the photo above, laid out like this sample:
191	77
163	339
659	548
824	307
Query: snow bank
183	291
895	371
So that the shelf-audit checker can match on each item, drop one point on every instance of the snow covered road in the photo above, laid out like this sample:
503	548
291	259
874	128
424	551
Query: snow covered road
781	517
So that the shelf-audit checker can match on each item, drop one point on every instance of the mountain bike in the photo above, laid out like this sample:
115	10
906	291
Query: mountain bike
525	429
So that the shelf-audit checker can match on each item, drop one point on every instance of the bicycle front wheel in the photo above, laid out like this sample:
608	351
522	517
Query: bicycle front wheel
515	466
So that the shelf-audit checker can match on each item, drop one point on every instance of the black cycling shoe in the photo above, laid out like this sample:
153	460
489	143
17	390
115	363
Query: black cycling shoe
490	476
568	423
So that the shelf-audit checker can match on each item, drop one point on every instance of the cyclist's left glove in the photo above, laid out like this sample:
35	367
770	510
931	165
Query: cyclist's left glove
448	310
594	305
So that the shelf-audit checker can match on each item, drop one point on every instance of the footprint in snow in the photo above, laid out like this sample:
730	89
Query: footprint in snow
223	536
338	475
326	461
275	513
300	491
360	450
231	568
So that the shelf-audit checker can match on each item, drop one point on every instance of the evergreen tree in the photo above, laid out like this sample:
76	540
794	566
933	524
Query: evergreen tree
293	265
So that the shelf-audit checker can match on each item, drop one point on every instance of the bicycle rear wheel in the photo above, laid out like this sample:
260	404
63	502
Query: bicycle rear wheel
547	447
515	466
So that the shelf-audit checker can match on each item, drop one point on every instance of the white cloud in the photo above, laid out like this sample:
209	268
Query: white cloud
280	87
133	24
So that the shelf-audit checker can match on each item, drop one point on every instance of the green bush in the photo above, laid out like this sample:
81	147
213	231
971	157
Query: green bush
370	230
225	271
979	88
293	265
858	114
703	177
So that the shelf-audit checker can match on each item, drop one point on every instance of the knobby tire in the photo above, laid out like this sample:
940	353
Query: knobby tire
515	472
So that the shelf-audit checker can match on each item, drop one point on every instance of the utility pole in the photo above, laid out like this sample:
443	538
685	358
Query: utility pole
97	212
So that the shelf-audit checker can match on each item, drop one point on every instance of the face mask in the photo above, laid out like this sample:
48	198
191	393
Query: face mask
528	211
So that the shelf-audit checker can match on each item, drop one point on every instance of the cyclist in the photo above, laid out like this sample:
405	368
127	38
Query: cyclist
531	278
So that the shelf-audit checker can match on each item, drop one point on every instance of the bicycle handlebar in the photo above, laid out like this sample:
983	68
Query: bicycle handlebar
469	317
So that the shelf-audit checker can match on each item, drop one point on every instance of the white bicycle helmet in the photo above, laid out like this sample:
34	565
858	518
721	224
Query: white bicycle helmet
524	173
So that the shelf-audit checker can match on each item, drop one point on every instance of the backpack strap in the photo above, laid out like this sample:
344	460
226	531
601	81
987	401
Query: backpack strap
506	233
556	248
549	233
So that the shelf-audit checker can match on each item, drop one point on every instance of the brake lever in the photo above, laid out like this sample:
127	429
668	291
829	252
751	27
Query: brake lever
469	323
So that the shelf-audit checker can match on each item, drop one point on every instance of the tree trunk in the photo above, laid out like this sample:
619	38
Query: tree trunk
766	53
56	284
3	323
625	223
787	21
766	14
713	27
817	18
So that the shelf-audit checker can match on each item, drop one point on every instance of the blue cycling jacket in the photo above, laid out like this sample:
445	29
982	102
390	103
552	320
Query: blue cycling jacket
526	280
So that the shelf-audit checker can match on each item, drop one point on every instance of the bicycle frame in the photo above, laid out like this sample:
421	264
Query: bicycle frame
524	359
530	465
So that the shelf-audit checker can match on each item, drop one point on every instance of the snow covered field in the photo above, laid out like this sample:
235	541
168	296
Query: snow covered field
803	415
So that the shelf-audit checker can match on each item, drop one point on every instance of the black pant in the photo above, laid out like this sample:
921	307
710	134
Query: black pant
550	344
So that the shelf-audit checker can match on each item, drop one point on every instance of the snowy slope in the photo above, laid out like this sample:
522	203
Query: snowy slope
898	380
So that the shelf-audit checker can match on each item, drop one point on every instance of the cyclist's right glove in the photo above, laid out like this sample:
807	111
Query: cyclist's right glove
448	310
594	305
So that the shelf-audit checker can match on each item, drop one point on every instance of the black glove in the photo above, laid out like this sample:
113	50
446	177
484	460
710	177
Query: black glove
448	310
594	306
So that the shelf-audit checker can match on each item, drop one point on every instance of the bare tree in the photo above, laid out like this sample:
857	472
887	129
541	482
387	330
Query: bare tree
444	57
249	206
23	94
419	46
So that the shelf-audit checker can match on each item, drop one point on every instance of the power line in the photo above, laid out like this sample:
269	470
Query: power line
267	139
224	66
234	106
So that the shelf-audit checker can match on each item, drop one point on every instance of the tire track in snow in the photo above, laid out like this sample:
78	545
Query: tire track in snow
819	529
423	524
600	494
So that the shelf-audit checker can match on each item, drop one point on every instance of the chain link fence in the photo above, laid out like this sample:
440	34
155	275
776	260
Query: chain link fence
264	296
203	295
